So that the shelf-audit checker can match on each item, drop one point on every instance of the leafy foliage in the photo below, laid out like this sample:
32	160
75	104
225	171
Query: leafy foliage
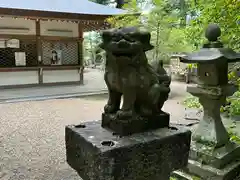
223	12
192	102
233	135
129	20
92	52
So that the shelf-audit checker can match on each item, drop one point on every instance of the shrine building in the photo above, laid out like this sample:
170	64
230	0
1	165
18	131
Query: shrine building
41	41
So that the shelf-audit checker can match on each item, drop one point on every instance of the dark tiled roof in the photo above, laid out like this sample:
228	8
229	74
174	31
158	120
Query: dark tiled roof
64	6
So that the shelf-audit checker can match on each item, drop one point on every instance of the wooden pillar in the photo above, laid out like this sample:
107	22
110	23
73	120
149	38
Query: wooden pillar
80	52
39	51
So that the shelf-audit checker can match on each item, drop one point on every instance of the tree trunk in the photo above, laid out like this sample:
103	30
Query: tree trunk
183	11
92	49
157	41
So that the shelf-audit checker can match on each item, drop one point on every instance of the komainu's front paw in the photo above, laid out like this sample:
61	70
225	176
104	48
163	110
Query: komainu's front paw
125	114
109	108
146	111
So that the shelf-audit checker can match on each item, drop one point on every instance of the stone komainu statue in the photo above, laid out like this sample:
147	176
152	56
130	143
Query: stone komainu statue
127	72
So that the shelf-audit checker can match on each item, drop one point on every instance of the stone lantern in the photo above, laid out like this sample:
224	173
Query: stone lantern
210	141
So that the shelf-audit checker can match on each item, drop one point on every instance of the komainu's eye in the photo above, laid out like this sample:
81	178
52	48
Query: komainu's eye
116	37
134	36
129	38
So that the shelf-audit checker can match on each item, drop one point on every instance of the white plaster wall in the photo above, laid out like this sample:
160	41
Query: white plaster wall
51	76
58	25
16	78
10	22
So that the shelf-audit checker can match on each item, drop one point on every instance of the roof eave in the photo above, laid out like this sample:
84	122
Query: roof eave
51	14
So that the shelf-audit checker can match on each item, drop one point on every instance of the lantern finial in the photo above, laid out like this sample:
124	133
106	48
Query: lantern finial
213	32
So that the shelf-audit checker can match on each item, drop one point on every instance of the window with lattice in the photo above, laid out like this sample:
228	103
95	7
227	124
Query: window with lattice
64	52
26	47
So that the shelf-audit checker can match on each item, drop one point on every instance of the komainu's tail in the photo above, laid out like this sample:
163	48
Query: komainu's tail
163	76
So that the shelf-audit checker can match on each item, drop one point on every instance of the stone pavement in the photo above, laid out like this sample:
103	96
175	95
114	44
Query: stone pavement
93	82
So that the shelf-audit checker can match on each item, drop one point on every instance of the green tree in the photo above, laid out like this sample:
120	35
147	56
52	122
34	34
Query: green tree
223	12
91	49
127	20
164	21
159	23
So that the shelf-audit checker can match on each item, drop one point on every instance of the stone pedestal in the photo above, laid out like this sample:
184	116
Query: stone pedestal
213	156
135	125
96	153
214	163
211	163
211	129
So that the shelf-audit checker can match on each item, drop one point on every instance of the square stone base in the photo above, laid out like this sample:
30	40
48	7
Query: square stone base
95	153
206	172
214	164
215	157
123	127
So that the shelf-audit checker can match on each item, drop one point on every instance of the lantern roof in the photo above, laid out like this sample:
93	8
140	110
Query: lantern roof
212	51
208	55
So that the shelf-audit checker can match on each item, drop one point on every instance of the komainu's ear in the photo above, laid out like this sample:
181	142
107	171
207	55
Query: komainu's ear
106	35
145	38
147	47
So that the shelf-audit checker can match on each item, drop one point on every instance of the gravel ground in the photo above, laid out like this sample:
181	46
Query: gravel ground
32	135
